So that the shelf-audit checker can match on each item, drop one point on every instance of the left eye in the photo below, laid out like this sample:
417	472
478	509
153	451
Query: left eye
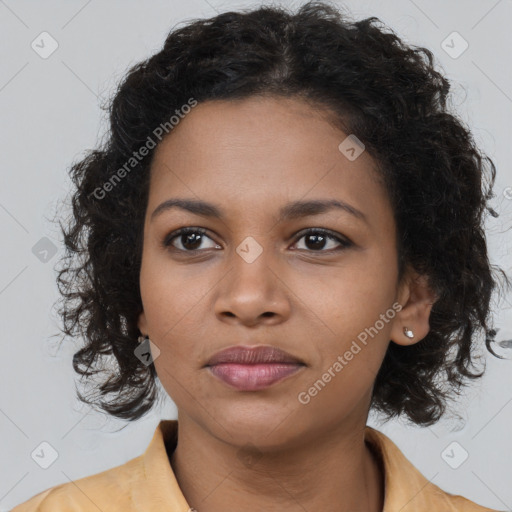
191	238
318	237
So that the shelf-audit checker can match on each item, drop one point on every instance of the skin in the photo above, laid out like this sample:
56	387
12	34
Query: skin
251	157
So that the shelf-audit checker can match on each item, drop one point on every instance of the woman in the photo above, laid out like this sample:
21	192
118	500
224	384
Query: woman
289	221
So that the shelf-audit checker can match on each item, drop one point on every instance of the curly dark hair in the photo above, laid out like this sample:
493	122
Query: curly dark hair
386	93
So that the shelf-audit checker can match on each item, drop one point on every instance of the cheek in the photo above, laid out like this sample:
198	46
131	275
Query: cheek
171	304
174	299
169	295
353	335
351	295
353	315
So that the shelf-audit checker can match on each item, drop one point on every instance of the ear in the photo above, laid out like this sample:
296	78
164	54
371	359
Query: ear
142	323
416	298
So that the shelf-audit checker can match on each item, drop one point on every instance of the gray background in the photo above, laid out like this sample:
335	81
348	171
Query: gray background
51	115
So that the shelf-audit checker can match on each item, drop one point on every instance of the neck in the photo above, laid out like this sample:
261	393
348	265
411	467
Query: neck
333	470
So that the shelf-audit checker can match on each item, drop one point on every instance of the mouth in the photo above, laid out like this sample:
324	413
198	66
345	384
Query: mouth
253	368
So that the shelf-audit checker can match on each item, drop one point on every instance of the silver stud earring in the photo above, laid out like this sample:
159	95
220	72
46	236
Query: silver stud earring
408	333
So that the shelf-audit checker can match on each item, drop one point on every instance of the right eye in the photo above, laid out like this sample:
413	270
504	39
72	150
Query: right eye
189	238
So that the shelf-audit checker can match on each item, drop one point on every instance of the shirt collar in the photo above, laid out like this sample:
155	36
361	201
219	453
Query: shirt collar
405	488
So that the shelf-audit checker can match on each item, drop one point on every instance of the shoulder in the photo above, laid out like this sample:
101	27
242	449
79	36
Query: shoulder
459	503
146	482
94	492
406	488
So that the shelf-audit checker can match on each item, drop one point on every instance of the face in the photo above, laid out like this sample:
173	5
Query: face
256	277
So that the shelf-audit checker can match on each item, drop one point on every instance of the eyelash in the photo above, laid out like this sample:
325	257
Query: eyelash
345	243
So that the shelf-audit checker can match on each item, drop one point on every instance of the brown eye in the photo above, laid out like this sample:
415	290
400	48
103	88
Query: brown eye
317	240
190	239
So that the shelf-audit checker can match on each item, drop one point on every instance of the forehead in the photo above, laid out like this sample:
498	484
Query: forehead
259	153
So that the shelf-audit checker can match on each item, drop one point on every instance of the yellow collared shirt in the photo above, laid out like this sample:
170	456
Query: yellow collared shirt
147	483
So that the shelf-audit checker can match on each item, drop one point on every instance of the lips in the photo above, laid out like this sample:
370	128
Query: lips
253	355
253	368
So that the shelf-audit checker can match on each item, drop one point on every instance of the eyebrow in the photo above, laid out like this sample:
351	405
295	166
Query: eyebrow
290	211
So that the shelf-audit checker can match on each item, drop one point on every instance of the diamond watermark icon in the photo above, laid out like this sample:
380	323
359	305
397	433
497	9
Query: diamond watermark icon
44	45
147	351
249	455
44	250
454	45
454	455
44	455
249	249
351	147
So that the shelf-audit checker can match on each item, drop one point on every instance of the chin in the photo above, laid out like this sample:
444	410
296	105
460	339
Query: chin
264	425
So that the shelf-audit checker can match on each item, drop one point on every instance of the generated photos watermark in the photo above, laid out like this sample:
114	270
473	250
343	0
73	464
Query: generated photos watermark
163	128
304	397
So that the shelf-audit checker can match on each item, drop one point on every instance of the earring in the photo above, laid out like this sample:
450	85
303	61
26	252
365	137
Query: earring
140	339
408	333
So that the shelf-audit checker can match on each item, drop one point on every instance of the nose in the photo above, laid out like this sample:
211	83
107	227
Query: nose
253	291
